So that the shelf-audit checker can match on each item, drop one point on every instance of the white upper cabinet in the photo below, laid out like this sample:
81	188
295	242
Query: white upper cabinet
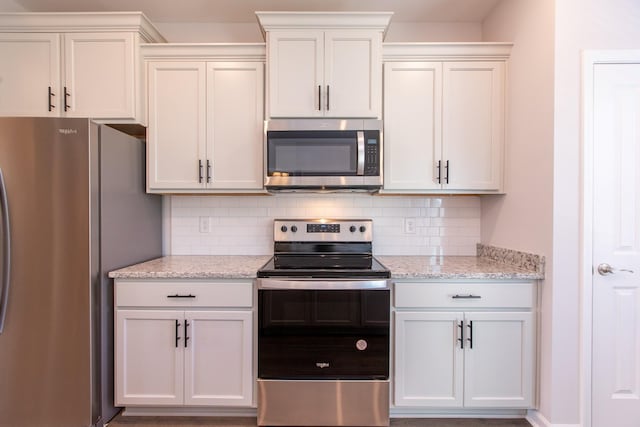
206	118
473	125
412	125
444	118
295	71
235	117
353	73
324	64
74	65
176	135
99	75
29	74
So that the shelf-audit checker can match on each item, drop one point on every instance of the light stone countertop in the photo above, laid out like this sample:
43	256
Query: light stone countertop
194	267
402	267
455	267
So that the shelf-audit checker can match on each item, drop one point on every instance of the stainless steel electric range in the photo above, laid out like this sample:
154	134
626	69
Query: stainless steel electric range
323	327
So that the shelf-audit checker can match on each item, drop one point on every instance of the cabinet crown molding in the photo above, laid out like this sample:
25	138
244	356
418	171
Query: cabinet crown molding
323	20
446	51
73	22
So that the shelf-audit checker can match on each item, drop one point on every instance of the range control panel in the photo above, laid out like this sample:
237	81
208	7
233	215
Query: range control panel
322	230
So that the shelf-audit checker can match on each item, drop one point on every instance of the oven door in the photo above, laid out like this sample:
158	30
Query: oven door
329	330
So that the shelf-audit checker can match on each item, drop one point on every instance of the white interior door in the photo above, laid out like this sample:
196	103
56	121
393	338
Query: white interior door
616	242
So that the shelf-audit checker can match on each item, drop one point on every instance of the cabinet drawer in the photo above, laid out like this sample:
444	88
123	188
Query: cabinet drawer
464	295
183	294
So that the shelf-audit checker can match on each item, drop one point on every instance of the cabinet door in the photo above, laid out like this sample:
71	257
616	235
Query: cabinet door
353	73
176	136
235	121
473	125
412	125
99	75
295	60
428	359
218	358
499	366
149	357
30	65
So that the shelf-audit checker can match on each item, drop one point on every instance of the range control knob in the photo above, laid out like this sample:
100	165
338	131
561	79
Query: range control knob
294	228
363	228
352	229
283	228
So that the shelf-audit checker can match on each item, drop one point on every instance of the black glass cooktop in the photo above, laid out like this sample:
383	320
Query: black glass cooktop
324	265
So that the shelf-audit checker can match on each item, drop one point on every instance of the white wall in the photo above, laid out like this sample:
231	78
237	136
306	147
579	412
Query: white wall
249	32
434	32
580	24
11	6
244	225
543	165
523	218
212	32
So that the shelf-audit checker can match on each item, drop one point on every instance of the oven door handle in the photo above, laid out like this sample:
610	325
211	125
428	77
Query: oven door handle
319	284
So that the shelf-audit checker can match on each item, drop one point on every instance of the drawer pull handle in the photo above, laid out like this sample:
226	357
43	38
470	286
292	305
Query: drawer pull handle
470	296
181	296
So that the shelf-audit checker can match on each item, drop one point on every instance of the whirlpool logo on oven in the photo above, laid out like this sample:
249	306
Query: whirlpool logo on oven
322	365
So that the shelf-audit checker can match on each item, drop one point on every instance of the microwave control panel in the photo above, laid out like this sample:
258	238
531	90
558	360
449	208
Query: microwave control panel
372	153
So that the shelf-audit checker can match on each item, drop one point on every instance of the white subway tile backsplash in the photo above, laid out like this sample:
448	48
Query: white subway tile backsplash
242	225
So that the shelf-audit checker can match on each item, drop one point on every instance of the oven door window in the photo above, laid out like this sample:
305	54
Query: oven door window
323	334
312	153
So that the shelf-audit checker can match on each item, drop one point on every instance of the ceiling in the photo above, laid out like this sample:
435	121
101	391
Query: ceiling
237	11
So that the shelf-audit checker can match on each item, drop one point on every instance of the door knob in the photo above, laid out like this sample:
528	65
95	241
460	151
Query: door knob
604	269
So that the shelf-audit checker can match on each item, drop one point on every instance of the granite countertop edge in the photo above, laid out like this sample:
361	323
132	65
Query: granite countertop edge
506	266
194	267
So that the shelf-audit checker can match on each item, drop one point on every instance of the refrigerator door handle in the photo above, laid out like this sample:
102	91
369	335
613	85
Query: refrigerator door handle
5	238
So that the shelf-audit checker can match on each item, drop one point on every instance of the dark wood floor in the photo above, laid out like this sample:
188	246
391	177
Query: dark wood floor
121	421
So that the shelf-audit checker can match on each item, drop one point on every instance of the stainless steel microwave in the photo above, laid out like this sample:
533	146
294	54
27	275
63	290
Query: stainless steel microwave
317	154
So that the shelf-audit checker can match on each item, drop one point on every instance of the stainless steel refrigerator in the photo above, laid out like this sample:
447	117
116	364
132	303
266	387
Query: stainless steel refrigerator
72	208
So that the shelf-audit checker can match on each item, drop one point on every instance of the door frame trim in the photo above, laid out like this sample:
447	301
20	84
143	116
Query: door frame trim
590	58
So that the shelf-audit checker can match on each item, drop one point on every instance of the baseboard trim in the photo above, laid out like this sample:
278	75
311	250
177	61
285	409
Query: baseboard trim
536	419
151	411
456	413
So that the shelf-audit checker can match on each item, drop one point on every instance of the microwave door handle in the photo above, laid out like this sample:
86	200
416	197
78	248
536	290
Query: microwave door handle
360	168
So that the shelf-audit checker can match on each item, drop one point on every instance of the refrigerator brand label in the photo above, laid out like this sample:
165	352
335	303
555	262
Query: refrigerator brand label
68	131
322	365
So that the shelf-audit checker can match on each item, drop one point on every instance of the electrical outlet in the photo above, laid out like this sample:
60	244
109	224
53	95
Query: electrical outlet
410	226
205	224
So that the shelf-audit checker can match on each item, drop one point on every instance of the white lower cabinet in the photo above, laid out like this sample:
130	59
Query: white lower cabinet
464	345
149	366
183	344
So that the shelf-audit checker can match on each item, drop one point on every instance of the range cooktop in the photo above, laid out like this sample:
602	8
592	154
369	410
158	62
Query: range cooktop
321	248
